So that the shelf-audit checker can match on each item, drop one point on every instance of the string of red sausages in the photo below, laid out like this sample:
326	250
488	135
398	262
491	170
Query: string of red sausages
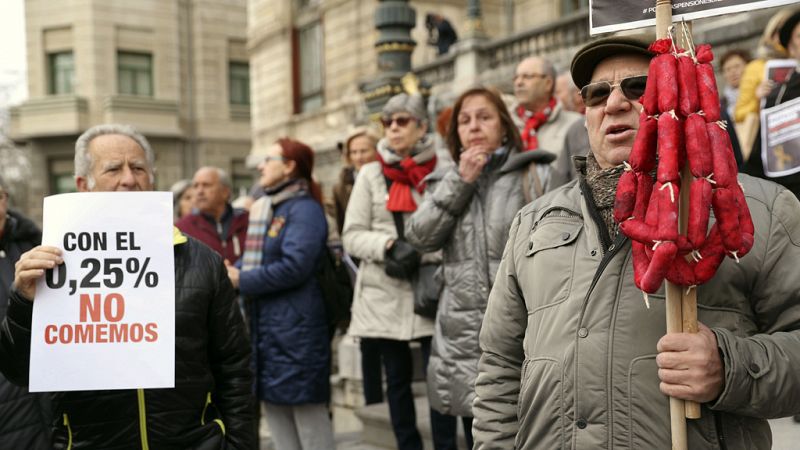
679	123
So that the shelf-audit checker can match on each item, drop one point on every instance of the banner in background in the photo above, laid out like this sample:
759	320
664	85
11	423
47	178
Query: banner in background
606	16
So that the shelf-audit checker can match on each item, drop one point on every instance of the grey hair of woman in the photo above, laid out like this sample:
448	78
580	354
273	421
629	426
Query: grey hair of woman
178	188
412	104
83	159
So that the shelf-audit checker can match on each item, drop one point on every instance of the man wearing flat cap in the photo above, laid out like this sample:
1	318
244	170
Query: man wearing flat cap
572	357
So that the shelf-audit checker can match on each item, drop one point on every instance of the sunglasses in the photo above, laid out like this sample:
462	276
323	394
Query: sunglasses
401	121
595	94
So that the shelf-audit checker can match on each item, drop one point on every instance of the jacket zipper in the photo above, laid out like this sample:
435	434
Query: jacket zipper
69	432
203	417
602	231
718	428
612	251
142	419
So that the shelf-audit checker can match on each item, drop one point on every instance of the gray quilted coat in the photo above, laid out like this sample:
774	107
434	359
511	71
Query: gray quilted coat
470	223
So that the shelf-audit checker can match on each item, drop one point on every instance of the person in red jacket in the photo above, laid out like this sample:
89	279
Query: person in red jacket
214	221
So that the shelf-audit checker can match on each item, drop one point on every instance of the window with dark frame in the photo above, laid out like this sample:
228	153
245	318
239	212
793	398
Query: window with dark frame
571	6
306	3
241	177
61	67
135	73
239	83
308	71
62	177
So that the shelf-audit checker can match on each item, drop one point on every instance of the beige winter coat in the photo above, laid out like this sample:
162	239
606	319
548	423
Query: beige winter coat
569	347
383	307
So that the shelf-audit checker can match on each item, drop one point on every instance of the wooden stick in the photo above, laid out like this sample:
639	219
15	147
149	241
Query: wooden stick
688	297
674	293
677	410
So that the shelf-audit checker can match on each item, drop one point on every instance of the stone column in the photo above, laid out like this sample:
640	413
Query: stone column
474	25
394	20
468	50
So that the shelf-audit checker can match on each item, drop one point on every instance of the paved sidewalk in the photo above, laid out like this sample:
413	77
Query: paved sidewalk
785	436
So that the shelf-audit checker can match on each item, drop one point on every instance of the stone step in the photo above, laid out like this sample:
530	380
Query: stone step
377	426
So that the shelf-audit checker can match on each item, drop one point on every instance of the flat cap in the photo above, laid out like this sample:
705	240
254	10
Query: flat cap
591	54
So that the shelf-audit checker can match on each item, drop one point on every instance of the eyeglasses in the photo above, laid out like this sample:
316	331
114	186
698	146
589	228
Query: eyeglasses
595	94
402	121
269	158
529	76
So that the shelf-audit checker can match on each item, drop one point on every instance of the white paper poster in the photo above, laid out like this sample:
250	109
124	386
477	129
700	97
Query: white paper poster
780	139
105	319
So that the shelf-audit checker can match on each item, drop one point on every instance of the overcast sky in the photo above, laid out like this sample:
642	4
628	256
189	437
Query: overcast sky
12	52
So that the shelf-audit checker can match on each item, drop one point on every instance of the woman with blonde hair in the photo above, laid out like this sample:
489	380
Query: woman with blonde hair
357	150
753	86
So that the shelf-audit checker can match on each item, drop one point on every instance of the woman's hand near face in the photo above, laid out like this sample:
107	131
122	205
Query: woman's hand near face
472	161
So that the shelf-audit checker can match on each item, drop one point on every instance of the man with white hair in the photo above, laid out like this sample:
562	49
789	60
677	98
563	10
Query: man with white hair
215	222
568	94
210	405
543	122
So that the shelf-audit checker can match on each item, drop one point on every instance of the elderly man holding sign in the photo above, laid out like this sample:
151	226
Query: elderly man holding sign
571	355
209	406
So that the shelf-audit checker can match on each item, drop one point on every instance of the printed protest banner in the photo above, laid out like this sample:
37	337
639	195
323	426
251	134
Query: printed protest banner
105	319
606	16
780	139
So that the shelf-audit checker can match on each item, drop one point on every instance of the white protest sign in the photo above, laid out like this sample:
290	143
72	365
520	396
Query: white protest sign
780	139
105	319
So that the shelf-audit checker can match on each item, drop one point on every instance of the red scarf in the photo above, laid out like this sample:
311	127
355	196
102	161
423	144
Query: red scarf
533	123
403	176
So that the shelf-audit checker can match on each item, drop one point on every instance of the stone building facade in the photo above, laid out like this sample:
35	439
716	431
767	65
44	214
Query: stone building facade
177	70
310	58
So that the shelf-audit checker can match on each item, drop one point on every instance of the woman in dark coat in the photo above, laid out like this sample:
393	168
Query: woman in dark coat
285	241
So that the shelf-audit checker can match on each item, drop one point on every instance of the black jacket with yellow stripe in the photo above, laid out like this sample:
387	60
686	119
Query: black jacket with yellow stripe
211	404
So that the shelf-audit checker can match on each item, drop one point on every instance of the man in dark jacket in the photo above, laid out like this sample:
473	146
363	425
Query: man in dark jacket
210	405
215	222
24	417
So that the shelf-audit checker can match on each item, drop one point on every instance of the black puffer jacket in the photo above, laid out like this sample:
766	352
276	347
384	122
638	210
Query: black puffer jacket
24	417
211	404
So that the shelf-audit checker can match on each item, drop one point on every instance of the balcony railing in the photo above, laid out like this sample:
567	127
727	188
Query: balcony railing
551	40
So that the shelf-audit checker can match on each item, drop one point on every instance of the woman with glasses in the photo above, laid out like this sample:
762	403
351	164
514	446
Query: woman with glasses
467	212
383	305
286	238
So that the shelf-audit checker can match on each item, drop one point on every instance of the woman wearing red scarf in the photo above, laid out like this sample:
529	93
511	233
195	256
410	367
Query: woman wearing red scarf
383	305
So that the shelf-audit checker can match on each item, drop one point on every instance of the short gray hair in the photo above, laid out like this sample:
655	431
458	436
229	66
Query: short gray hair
83	160
224	178
412	104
